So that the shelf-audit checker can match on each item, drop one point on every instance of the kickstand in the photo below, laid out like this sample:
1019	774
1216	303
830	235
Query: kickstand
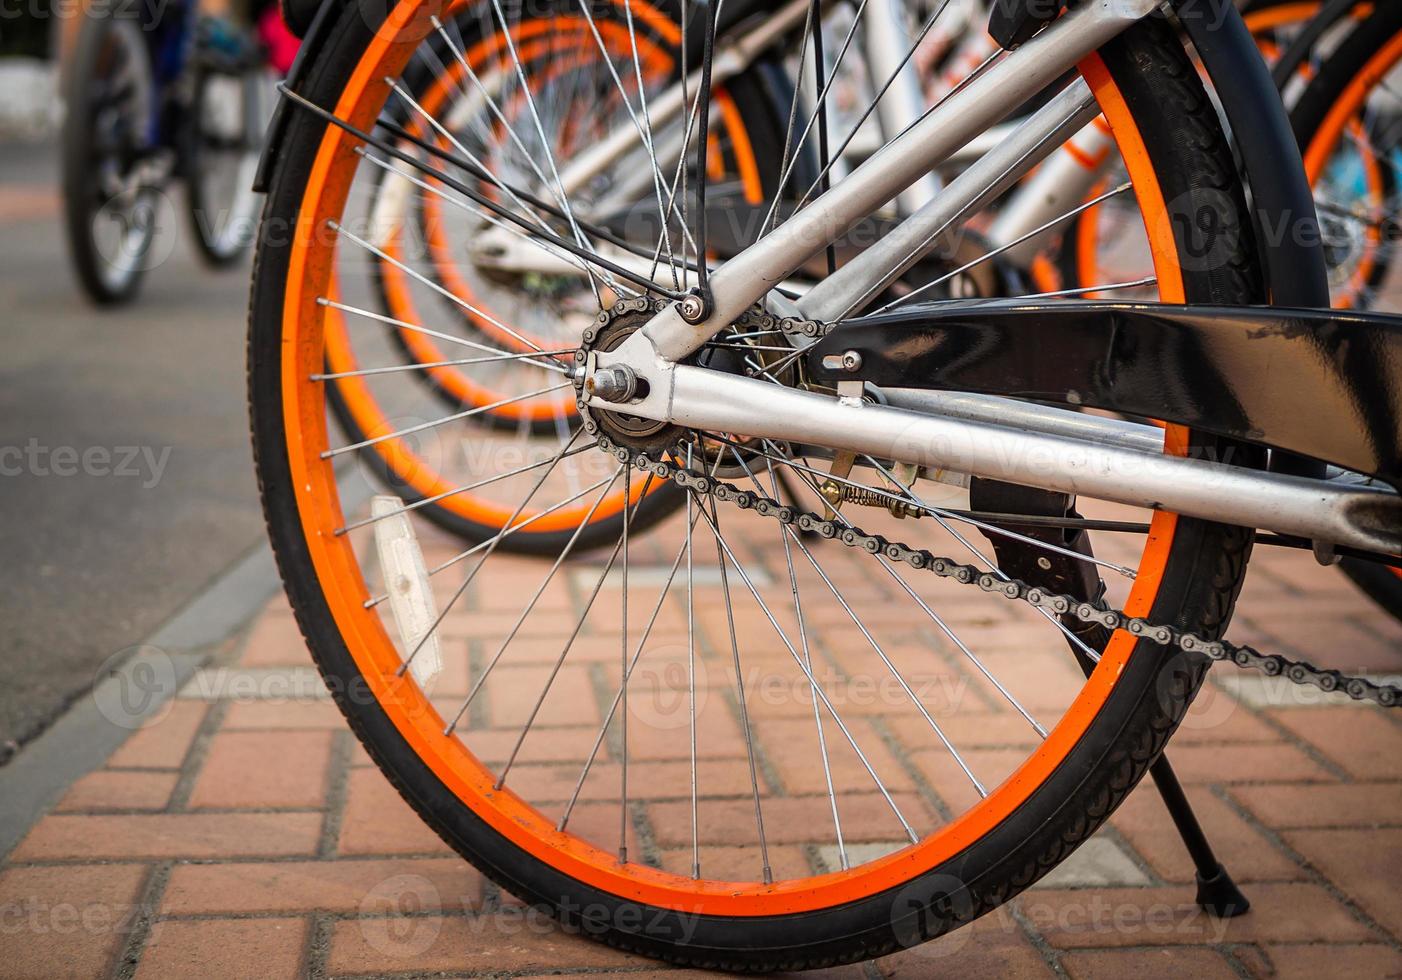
1217	893
1062	572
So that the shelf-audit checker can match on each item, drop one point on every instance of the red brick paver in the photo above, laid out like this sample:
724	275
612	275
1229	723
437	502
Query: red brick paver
243	831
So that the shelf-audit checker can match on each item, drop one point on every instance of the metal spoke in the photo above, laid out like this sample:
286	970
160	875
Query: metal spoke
953	636
424	280
713	519
644	127
457	144
993	567
1370	219
968	79
908	498
942	516
515	528
511	228
496	540
788	155
494	108
817	688
414	327
569	644
424	502
1108	287
423	426
486	202
540	131
691	672
540	591
808	664
1099	199
625	673
461	362
608	719
618	696
703	123
819	113
880	652
880	94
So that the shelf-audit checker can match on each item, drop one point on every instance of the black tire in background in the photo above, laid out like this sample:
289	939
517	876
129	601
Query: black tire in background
222	226
106	42
1382	584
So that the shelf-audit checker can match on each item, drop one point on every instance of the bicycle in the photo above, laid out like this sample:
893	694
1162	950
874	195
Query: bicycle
153	95
1114	540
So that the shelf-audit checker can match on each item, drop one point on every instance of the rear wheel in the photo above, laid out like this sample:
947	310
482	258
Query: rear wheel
753	832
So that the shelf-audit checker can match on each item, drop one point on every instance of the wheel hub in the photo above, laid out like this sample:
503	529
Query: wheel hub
610	330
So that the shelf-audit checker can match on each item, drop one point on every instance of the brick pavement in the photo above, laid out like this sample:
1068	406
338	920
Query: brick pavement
242	831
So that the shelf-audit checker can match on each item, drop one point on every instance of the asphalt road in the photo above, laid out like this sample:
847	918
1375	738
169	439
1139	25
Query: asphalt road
126	481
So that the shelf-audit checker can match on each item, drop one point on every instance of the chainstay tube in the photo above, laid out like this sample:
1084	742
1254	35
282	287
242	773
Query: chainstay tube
1298	672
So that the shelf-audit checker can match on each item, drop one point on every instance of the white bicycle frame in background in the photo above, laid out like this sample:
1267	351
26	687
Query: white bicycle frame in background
1020	230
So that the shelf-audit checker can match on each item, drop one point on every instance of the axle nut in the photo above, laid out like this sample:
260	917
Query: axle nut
613	384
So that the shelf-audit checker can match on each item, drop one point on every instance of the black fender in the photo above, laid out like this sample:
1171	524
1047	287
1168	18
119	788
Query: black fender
1325	384
299	14
313	31
1283	214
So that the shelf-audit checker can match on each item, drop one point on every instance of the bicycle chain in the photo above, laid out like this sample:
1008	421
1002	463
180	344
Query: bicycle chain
1247	657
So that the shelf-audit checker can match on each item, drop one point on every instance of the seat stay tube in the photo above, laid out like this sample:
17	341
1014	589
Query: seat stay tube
939	222
987	100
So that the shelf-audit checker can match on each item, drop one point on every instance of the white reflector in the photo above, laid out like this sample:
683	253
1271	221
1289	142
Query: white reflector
406	582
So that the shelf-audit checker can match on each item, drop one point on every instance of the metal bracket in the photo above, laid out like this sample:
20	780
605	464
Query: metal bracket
1323	384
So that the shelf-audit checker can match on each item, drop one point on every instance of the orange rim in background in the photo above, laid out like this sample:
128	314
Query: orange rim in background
1342	122
412	468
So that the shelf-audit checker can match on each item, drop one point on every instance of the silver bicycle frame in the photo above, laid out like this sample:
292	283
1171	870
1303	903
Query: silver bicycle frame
1351	515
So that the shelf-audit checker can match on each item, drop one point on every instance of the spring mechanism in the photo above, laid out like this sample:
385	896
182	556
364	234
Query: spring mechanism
836	494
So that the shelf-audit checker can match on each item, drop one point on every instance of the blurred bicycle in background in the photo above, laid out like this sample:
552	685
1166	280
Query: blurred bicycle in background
157	91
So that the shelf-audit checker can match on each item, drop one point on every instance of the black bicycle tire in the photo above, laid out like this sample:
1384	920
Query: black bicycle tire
75	152
1203	578
195	204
